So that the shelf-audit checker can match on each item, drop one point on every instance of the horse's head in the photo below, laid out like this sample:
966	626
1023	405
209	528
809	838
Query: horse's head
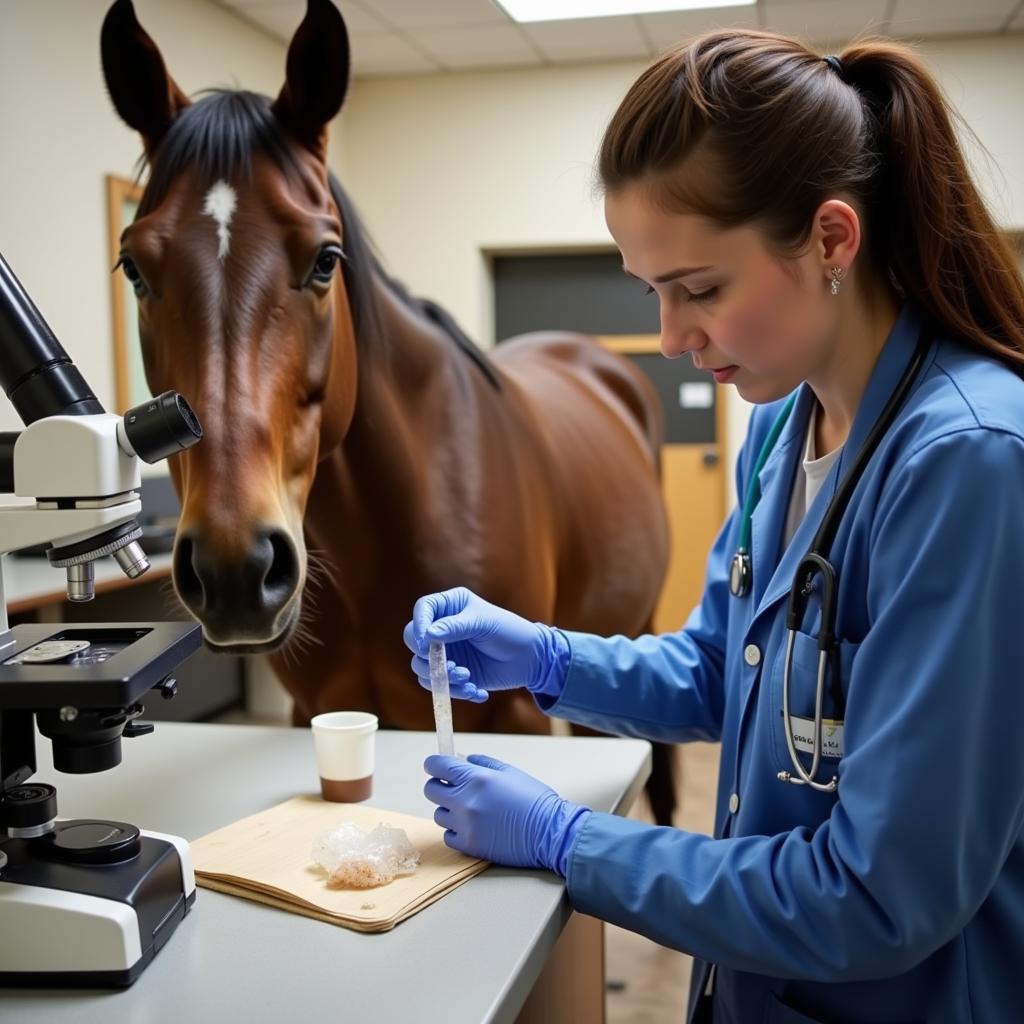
236	258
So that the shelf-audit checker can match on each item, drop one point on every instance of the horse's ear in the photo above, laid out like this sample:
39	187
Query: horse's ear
145	96
317	76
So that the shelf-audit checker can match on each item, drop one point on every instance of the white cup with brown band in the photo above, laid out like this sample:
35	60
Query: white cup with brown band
344	742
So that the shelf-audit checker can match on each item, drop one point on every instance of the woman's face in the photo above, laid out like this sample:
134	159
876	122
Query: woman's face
725	297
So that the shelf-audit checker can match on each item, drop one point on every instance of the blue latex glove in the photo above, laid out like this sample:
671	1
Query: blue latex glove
496	812
489	648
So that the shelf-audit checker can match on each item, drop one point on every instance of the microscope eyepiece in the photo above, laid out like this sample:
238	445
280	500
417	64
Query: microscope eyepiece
35	370
161	427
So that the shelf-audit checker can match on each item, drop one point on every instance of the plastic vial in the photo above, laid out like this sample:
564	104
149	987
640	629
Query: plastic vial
438	659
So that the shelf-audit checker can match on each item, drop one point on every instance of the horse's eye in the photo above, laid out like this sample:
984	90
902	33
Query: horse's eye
326	262
131	271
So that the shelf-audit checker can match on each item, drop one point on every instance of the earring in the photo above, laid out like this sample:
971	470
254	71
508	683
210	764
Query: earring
838	273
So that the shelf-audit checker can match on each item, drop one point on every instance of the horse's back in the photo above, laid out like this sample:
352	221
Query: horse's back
579	359
597	423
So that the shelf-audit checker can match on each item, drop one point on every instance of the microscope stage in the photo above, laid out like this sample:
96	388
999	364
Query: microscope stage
103	664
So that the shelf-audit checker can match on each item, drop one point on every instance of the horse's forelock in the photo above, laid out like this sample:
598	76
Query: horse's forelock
217	137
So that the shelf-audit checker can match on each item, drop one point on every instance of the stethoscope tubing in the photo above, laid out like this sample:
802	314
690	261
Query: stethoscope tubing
805	777
816	564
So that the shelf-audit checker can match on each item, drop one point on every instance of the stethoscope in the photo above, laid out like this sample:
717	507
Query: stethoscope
816	563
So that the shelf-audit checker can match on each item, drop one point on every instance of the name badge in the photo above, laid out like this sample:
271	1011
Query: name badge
831	736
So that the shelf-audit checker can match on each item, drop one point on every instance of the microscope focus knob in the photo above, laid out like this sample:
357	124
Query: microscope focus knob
27	806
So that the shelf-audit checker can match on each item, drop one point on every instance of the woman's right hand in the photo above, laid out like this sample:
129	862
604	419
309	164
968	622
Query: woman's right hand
488	648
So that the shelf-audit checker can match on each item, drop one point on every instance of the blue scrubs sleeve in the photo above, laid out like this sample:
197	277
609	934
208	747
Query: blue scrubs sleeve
668	688
931	790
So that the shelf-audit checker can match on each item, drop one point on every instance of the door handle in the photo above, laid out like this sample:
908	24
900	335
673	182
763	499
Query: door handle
710	457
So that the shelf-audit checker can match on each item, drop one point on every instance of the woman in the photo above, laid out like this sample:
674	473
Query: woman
809	225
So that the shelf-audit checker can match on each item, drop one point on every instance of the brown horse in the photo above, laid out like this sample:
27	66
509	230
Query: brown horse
359	450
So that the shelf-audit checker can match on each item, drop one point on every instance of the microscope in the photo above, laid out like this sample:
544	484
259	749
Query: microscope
83	903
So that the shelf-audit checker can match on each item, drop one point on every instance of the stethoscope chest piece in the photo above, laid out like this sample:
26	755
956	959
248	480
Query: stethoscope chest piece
740	574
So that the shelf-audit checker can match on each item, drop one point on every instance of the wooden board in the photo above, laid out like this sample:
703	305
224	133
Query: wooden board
267	857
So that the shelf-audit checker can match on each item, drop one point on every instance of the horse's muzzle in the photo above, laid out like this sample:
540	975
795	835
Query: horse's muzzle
239	599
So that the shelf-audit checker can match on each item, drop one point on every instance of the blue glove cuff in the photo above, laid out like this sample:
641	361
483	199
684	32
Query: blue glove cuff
553	662
555	824
567	826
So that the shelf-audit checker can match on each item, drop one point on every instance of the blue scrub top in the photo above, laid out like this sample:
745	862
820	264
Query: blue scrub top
901	897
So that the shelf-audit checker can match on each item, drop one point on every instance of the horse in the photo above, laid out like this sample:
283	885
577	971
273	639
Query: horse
360	450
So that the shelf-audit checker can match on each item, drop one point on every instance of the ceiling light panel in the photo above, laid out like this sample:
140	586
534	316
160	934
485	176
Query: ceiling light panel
563	10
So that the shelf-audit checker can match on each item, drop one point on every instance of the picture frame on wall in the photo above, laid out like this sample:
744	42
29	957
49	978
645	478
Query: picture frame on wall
130	386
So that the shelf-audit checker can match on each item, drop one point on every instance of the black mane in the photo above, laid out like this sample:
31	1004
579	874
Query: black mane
218	135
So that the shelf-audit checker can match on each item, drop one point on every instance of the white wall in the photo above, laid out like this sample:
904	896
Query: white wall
446	167
60	137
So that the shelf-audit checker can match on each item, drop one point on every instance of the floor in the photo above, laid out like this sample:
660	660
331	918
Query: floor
648	984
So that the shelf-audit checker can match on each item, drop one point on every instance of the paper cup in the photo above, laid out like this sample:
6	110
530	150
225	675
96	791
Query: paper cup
344	741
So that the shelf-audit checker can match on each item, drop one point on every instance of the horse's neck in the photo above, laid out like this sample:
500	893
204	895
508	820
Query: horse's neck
417	394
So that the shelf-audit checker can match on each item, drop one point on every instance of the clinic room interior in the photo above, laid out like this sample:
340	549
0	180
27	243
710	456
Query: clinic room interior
263	402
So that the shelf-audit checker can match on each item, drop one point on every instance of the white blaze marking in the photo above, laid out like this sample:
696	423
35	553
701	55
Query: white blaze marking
220	205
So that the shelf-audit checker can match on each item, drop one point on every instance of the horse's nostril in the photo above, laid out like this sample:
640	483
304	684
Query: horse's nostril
282	575
239	595
186	580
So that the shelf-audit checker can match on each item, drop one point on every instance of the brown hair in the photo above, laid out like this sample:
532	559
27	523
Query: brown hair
779	130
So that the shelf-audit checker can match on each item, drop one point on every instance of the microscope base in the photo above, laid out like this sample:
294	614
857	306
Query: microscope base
89	926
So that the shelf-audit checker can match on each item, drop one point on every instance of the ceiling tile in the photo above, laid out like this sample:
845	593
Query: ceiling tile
946	9
482	46
833	21
461	34
418	14
391	68
962	25
385	52
589	38
283	17
927	18
669	28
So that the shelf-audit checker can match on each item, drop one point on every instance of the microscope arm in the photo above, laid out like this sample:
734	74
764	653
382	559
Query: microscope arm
80	464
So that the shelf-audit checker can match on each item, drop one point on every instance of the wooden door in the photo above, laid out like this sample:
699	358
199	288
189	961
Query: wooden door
692	469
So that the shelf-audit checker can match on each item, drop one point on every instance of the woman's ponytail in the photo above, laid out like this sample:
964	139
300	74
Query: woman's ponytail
786	129
929	223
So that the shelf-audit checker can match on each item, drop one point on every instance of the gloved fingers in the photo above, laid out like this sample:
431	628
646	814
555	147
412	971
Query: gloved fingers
466	625
435	606
486	761
443	817
447	768
437	792
459	683
451	840
472	693
409	638
457	674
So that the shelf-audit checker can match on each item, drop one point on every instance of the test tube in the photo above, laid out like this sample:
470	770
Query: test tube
438	659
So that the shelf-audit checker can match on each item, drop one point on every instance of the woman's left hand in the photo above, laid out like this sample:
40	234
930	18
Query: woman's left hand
496	812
